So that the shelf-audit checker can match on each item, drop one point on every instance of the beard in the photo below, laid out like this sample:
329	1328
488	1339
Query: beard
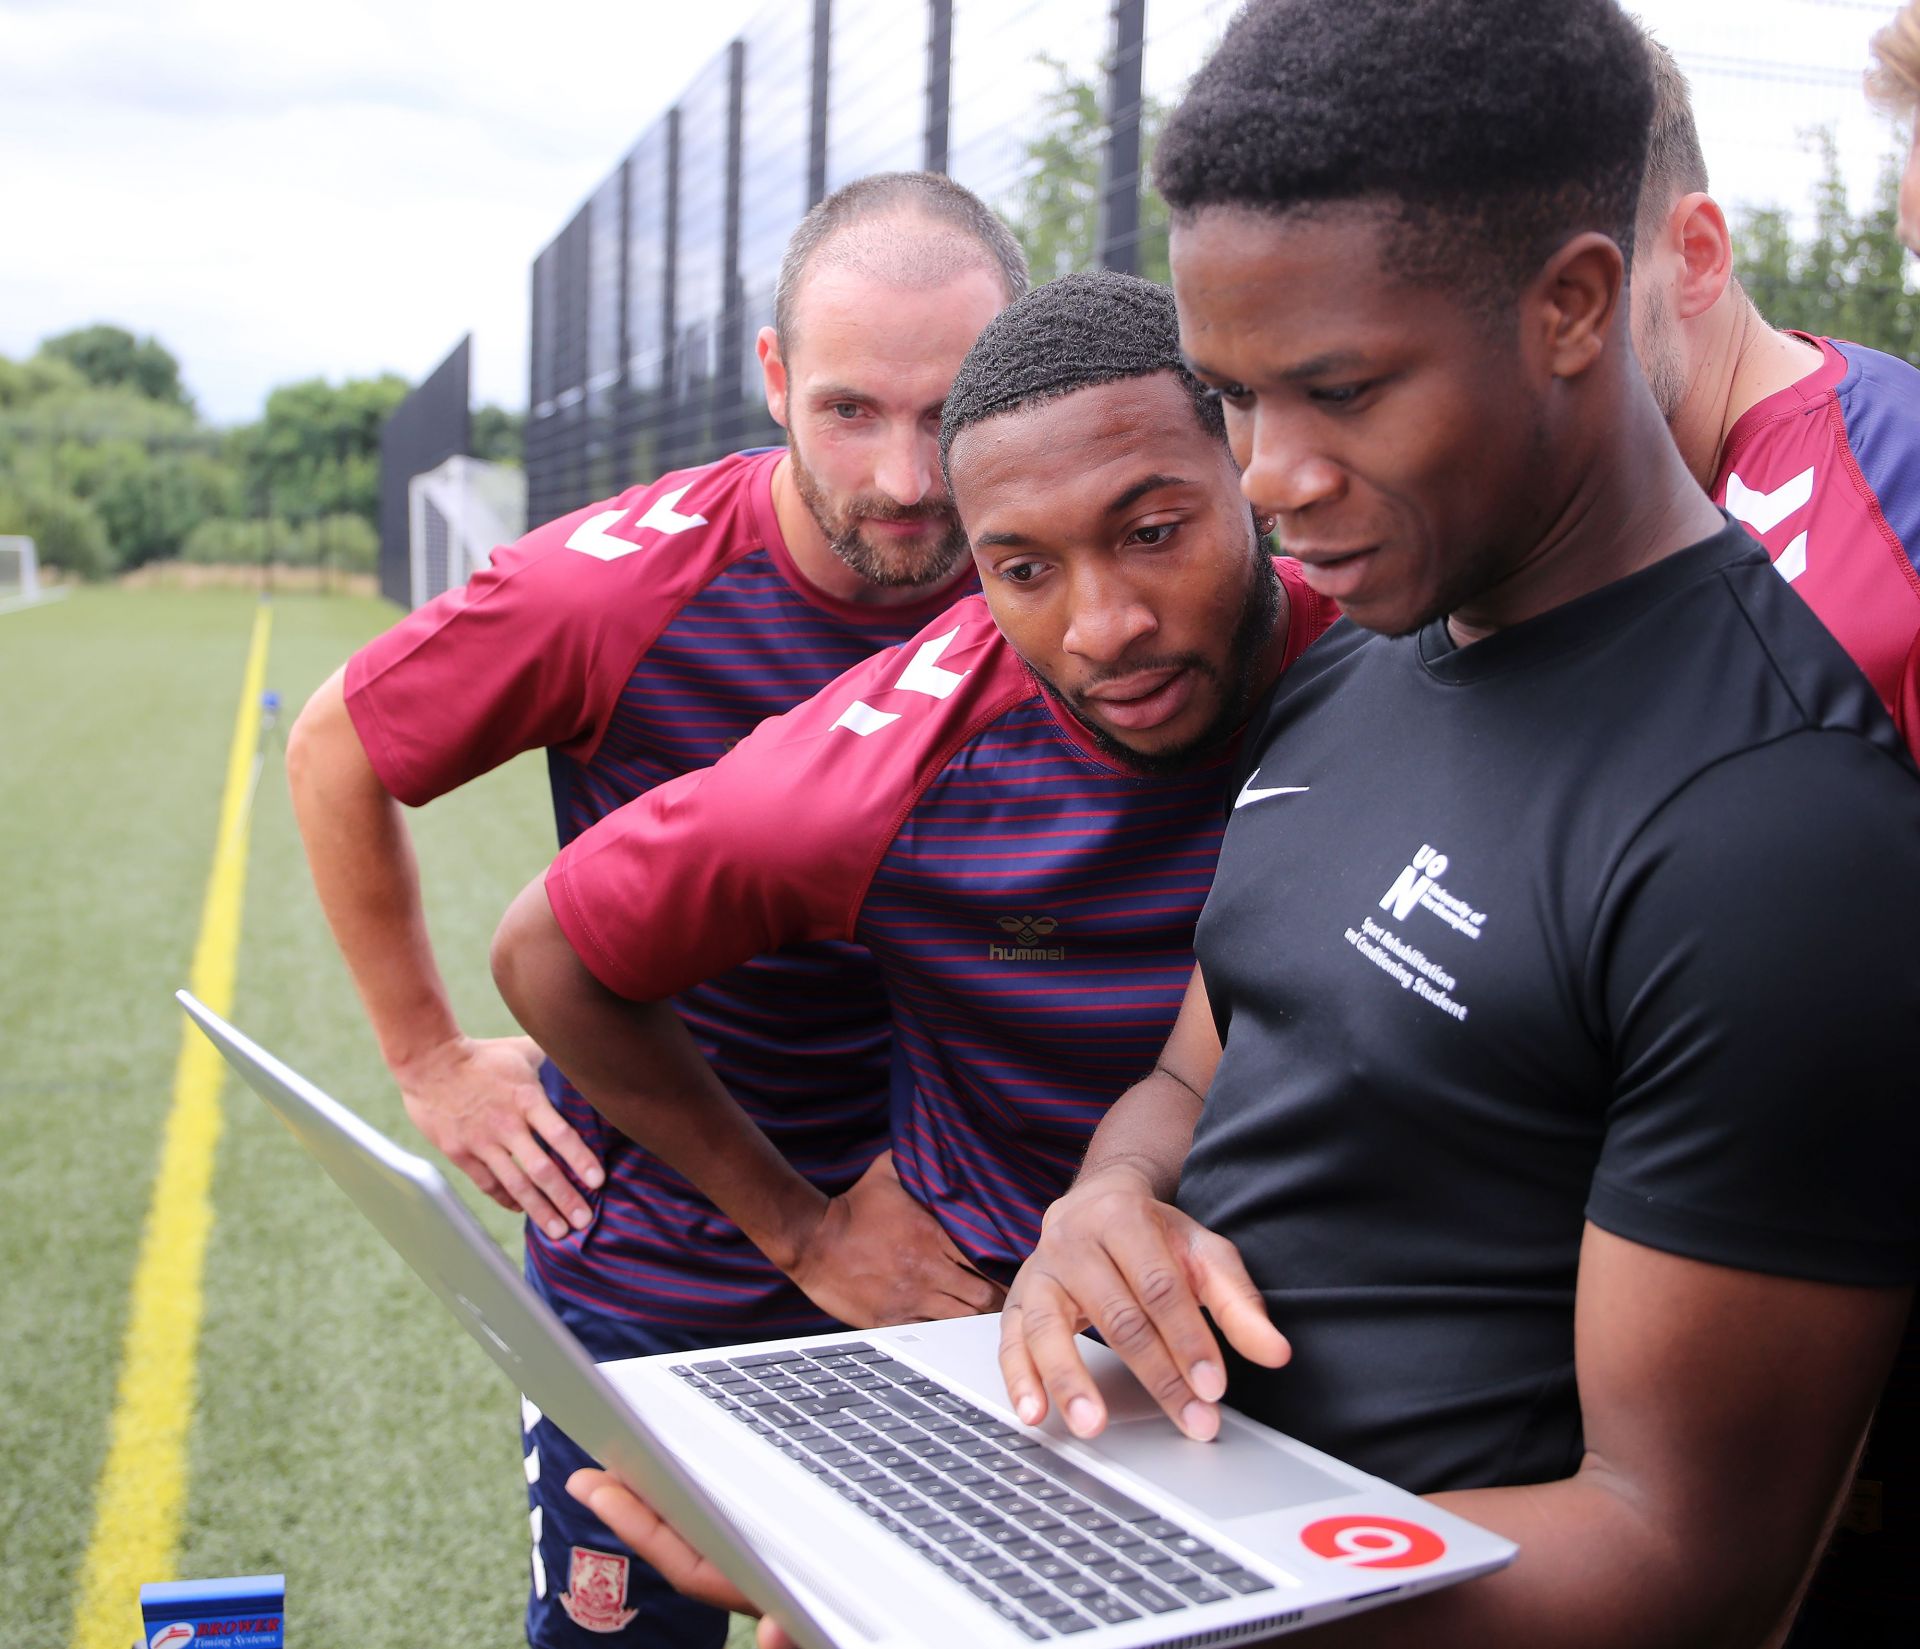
1236	679
1660	361
909	564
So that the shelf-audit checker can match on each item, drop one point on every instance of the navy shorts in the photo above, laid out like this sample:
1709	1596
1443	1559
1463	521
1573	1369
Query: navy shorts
587	1587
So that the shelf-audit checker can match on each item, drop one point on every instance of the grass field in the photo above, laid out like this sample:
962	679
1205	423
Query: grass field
344	1429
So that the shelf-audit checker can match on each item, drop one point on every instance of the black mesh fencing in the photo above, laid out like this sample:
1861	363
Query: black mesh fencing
430	426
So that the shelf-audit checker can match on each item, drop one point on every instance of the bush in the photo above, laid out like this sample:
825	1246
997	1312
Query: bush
65	530
225	542
344	543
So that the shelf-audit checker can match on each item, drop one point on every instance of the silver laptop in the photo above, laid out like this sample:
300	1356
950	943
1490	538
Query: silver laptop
872	1487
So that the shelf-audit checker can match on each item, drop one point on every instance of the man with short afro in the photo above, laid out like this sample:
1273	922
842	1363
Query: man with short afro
1091	328
1485	147
1025	798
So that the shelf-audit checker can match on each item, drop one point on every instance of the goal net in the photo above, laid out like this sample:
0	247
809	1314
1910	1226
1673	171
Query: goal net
458	513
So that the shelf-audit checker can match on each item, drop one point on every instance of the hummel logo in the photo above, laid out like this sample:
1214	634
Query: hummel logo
1026	933
593	537
1249	794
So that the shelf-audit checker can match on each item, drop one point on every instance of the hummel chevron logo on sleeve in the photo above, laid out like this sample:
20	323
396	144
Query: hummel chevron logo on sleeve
663	515
1249	794
924	673
1763	511
861	717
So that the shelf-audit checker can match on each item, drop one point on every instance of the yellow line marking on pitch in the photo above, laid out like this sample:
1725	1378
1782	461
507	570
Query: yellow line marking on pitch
141	1498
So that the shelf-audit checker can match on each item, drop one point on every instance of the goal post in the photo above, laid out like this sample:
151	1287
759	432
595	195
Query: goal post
459	513
19	569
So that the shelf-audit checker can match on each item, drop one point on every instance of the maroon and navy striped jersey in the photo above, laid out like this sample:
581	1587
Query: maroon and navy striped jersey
1031	904
1826	474
637	640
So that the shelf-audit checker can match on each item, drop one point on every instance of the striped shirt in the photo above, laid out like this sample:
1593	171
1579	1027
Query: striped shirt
1826	474
1030	903
637	640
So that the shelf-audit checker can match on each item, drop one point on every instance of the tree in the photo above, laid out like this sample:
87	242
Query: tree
149	504
499	436
147	470
66	532
24	382
317	450
111	357
1058	217
104	462
1848	279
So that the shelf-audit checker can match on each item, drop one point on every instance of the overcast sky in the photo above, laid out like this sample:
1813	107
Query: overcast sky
286	190
279	190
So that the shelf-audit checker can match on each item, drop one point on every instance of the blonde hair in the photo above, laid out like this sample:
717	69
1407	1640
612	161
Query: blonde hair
1894	80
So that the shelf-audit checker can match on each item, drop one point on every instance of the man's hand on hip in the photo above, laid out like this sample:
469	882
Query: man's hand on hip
877	1257
480	1102
1113	1256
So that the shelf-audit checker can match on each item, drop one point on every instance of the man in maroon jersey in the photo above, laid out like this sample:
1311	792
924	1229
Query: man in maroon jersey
1016	813
635	640
1810	443
1814	445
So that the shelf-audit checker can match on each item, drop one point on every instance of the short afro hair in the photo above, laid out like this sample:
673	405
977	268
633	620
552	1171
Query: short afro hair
1490	131
1070	334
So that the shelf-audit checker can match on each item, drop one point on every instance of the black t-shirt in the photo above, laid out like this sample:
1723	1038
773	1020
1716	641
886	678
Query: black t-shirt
1614	915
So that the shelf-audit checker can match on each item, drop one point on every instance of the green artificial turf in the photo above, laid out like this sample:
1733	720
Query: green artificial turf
346	1431
113	743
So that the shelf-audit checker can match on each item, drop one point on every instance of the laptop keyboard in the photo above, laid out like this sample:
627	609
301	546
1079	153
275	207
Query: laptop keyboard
1051	1548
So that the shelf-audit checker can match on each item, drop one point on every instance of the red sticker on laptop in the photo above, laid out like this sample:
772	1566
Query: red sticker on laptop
1373	1542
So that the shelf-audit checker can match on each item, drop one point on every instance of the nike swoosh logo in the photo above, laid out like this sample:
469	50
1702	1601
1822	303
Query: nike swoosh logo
1249	794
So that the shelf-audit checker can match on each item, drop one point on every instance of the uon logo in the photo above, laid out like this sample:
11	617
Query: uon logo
1373	1542
1427	868
1419	884
1028	930
175	1632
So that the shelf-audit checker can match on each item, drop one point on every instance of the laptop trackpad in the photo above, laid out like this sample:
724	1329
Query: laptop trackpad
1238	1476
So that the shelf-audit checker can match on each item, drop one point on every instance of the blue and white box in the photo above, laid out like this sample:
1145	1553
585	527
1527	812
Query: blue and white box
248	1612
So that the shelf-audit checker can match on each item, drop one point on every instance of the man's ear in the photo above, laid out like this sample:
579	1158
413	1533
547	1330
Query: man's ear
1573	302
1698	228
773	374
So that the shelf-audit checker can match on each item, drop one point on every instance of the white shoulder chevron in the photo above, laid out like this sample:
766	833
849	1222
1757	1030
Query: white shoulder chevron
923	673
1763	511
592	538
861	717
1791	562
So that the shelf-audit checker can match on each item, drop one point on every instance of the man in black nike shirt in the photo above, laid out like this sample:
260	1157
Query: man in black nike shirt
1558	1006
1558	1010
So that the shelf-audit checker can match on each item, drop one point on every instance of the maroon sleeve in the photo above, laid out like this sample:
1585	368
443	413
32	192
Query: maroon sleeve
1309	615
535	650
776	843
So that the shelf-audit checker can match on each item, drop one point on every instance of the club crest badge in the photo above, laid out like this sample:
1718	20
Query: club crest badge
596	1594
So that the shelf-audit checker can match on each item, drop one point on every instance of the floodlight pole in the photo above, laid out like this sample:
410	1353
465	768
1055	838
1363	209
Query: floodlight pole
1119	228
